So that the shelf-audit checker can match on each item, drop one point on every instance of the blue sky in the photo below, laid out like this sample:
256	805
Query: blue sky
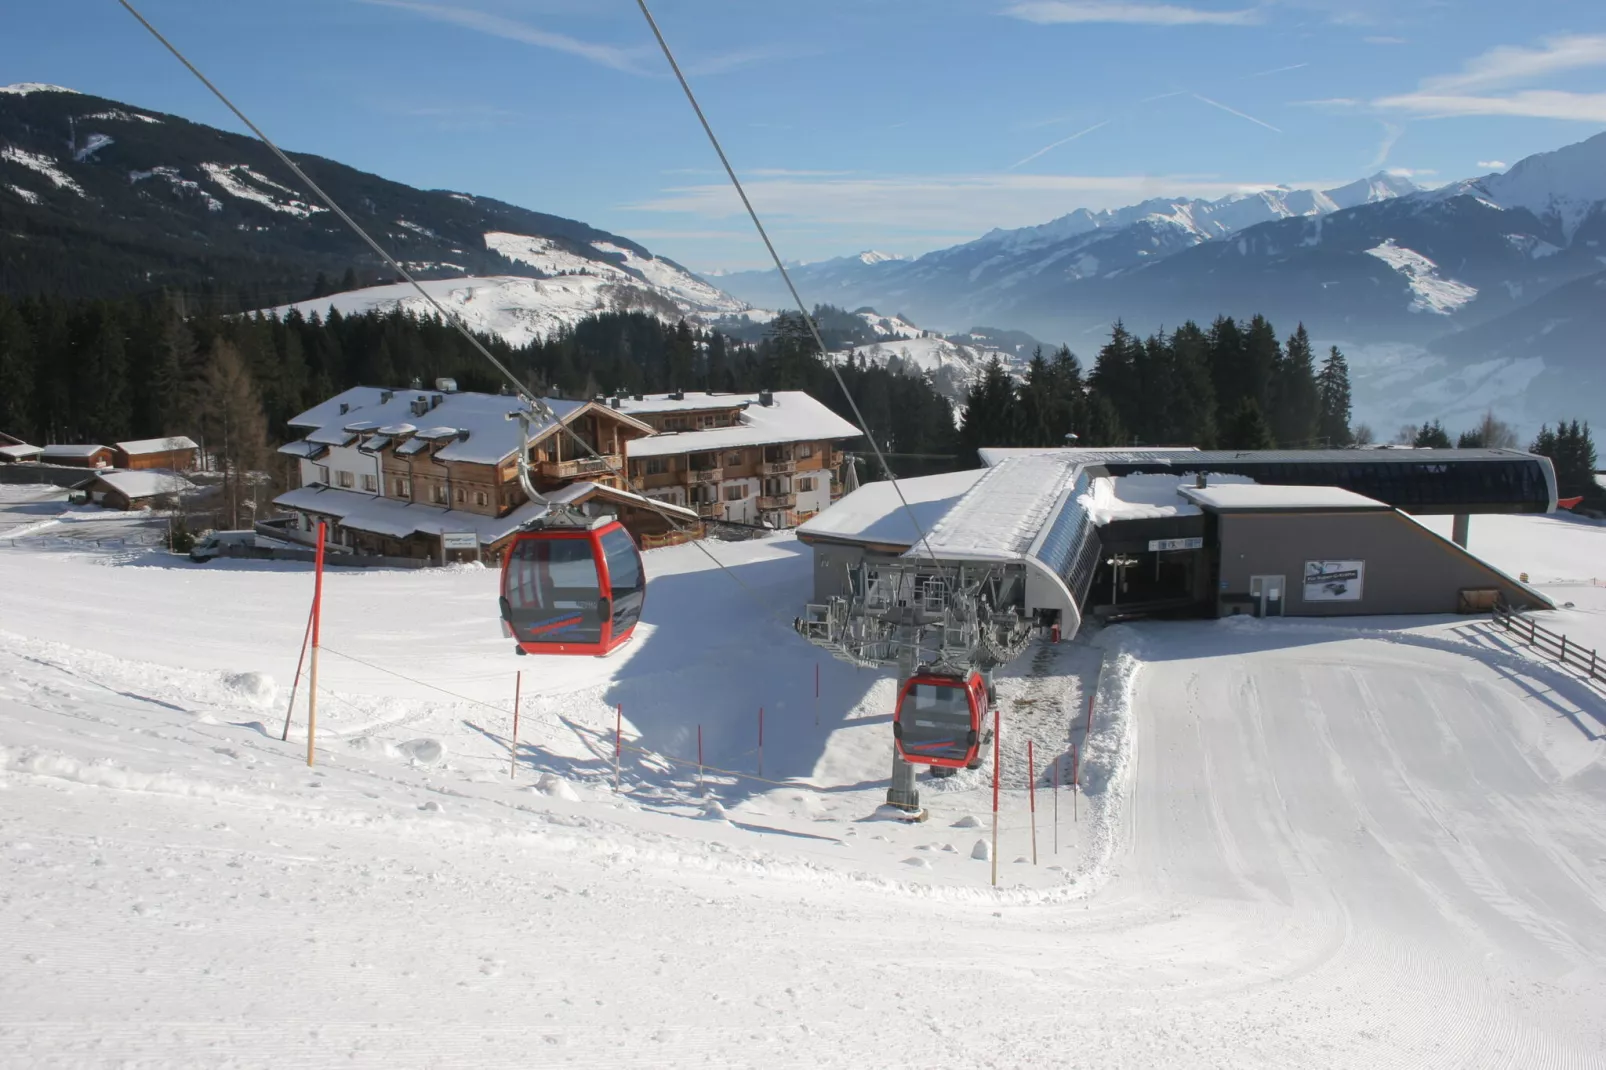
902	125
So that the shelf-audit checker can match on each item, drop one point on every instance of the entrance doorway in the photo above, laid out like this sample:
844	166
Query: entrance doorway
1267	591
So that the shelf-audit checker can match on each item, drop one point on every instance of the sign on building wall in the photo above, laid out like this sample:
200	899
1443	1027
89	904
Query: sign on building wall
1195	543
459	540
1334	581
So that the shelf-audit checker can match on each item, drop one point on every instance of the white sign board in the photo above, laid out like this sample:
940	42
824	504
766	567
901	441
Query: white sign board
1195	543
459	540
1334	581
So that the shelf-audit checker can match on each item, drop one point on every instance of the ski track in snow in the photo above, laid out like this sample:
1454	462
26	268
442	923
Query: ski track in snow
1337	843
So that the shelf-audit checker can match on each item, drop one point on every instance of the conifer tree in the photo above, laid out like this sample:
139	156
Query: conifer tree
1333	398
1295	405
1432	436
1246	428
16	373
1195	397
992	417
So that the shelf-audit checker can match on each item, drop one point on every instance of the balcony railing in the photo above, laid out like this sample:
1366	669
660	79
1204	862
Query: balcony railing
704	475
709	510
769	502
586	466
834	460
779	468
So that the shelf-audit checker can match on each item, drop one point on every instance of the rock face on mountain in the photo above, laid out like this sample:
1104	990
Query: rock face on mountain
101	198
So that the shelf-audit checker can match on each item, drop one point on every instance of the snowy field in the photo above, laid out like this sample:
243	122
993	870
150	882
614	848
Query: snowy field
1341	844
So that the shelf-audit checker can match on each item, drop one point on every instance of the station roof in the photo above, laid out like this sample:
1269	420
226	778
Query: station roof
1254	498
873	515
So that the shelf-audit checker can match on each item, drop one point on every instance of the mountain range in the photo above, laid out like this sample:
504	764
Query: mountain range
1488	291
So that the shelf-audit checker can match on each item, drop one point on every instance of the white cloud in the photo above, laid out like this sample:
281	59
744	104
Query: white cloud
1510	64
1391	136
1530	103
1055	11
619	59
1494	165
927	203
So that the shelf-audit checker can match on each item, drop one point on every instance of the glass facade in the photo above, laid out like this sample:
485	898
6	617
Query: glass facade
1071	547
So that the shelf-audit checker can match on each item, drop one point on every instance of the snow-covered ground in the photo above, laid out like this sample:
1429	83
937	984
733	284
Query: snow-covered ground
1352	843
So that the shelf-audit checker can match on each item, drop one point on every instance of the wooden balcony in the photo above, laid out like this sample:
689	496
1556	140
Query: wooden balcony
773	502
710	510
588	466
779	468
703	475
835	460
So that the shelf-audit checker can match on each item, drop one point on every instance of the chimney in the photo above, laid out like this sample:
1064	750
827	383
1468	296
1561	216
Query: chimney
462	435
386	395
677	395
1201	481
766	398
435	399
418	384
344	408
614	401
446	386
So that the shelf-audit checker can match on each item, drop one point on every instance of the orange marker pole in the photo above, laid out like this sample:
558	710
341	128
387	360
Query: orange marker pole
618	740
1031	792
513	749
995	796
317	625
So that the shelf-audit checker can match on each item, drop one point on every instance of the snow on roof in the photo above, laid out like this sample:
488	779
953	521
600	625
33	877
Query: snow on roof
303	448
145	482
991	455
399	519
874	514
690	401
1256	498
20	451
1143	497
74	450
794	417
156	445
491	435
1002	513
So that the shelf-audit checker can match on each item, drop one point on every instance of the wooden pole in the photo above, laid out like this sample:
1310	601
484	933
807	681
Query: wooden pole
1031	793
618	740
513	749
317	627
995	797
306	634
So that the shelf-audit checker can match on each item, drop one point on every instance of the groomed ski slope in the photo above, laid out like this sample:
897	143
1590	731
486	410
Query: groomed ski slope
1354	844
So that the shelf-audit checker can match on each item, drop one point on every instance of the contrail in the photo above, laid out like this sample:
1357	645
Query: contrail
1235	111
1274	70
1057	144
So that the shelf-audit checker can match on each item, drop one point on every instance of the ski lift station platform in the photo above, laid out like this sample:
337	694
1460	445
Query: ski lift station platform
1179	532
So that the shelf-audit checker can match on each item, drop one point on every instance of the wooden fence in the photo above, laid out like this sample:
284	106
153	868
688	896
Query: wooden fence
1546	641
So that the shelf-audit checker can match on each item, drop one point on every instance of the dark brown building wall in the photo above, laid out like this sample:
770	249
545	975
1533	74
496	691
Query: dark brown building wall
1408	569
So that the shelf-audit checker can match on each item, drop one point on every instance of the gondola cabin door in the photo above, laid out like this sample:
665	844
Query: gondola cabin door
939	720
573	591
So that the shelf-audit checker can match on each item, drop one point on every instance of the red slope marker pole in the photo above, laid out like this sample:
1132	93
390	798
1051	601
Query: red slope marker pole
618	740
1031	793
317	627
995	797
1089	730
513	748
291	709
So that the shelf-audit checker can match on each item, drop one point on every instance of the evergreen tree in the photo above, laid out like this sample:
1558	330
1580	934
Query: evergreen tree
1115	376
16	374
1571	450
1333	400
1469	440
1194	412
1431	436
1228	356
992	417
1103	424
1262	356
235	427
1296	401
1246	428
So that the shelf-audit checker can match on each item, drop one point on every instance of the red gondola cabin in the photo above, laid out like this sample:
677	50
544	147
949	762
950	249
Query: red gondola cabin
573	590
939	719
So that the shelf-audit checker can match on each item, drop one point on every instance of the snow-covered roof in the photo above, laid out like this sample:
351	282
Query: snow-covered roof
73	450
1145	496
303	448
1241	497
399	519
991	455
794	417
156	445
491	437
1003	512
874	514
689	401
145	482
20	452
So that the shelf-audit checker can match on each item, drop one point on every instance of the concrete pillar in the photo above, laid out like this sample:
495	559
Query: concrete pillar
1460	528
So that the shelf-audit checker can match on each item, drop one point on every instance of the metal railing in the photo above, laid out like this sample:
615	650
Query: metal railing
1556	644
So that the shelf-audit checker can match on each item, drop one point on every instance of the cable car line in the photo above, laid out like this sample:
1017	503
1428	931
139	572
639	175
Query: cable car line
758	224
535	404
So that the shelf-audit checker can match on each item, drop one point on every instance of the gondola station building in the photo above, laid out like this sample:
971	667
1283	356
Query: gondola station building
1128	533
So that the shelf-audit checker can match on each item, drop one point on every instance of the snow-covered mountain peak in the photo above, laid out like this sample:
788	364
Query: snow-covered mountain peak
1382	186
876	256
1564	186
22	89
